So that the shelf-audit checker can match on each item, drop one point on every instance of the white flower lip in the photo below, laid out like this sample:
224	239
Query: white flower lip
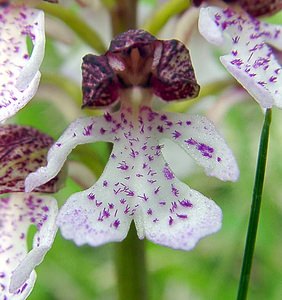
137	183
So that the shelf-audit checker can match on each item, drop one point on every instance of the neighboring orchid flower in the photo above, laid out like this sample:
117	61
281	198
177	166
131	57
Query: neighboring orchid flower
137	183
255	8
23	150
19	70
251	46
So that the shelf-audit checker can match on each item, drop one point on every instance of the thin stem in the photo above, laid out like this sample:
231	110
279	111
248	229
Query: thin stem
79	26
163	15
255	209
123	15
131	267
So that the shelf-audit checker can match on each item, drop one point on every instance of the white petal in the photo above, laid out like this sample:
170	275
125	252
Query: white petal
19	73
200	139
81	131
101	214
17	214
250	59
176	216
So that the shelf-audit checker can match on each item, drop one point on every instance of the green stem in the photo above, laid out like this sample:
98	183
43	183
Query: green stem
81	28
255	209
163	15
131	268
123	16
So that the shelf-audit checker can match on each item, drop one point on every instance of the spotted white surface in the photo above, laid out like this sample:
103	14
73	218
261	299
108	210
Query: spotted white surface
250	58
19	71
17	214
137	183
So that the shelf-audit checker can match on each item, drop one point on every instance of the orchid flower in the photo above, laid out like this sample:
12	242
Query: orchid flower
251	46
19	70
22	150
137	183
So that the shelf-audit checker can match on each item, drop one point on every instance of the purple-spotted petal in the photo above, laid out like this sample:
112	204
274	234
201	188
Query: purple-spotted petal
100	84
173	74
19	71
137	183
175	215
81	131
200	139
100	214
22	150
18	213
250	59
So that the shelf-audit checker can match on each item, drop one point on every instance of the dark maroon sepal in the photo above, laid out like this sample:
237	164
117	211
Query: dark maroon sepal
173	78
22	151
100	85
136	58
129	39
257	8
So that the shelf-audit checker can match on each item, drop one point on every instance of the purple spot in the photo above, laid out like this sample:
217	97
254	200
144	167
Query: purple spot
218	159
105	183
191	142
176	134
108	117
160	128
144	197
91	196
182	216
123	166
157	190
170	220
174	190
127	208
88	129
106	213
116	223
23	287
98	203
102	130
168	173
173	207
185	203
149	211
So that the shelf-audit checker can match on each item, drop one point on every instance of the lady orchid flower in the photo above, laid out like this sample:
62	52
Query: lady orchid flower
19	70
251	45
23	150
137	183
